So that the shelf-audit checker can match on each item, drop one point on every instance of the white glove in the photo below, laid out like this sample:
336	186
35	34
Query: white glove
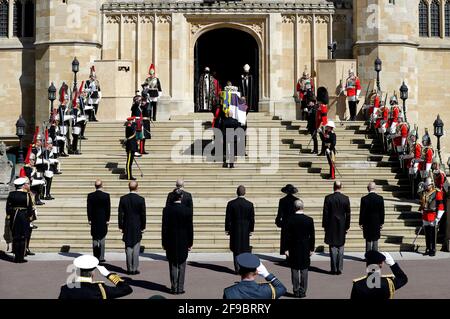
389	260
103	271
262	271
328	151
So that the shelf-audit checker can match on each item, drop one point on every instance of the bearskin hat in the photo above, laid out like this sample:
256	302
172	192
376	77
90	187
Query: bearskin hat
322	95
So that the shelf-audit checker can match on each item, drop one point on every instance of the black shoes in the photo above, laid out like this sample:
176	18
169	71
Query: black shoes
63	155
40	203
175	292
21	261
29	252
432	253
132	178
49	197
83	138
231	165
137	272
225	165
298	294
146	153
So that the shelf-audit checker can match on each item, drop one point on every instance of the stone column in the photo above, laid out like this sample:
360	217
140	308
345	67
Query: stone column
11	18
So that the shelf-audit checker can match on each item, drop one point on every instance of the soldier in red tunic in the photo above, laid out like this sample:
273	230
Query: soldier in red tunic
352	90
432	208
427	156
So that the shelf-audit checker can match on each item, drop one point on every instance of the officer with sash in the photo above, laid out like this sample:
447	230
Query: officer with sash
84	286
130	146
374	286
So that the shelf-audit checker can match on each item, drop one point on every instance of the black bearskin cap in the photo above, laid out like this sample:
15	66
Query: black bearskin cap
322	95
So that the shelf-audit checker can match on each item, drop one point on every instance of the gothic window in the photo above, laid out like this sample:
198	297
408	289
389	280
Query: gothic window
435	19
17	19
4	18
423	19
29	18
447	18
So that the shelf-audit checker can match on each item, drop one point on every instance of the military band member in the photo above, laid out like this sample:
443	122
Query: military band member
328	138
432	207
84	286
154	90
19	211
249	268
94	95
352	91
374	286
305	85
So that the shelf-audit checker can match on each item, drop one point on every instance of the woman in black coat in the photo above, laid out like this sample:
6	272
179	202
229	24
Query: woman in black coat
286	209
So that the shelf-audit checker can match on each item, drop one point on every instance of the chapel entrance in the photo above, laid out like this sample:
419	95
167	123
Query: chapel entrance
225	51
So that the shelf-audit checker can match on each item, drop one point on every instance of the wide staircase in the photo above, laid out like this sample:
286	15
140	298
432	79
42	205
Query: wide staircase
176	152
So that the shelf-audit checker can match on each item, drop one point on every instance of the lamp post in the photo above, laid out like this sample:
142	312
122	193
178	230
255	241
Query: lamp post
20	132
378	70
438	132
75	69
51	96
404	97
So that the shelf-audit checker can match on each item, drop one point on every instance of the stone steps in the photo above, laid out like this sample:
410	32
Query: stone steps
63	221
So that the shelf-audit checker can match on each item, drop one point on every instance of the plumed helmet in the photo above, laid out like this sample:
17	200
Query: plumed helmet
426	140
322	95
393	100
246	68
151	70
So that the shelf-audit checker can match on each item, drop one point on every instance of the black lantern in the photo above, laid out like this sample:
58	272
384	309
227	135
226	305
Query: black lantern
404	97
20	132
75	65
51	96
52	92
438	132
378	70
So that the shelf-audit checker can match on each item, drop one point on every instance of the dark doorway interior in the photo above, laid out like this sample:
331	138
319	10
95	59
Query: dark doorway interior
225	51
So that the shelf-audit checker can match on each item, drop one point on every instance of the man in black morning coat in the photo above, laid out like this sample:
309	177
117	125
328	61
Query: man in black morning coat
300	246
336	222
371	217
99	213
186	200
239	224
177	238
132	219
286	209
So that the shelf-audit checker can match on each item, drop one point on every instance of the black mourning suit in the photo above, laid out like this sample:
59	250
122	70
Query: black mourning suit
99	213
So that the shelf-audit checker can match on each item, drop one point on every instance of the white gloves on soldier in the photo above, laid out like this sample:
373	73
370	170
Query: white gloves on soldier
103	271
262	271
389	260
328	151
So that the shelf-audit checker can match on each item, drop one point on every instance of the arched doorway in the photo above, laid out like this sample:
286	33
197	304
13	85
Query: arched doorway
225	51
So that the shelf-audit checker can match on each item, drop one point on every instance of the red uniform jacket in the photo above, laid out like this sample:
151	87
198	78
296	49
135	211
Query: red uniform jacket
353	87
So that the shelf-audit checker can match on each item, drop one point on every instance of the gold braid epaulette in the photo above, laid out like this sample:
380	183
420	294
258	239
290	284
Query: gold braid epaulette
391	287
115	279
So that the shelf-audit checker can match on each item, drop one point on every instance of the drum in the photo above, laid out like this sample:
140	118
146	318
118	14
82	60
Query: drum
48	174
63	130
76	130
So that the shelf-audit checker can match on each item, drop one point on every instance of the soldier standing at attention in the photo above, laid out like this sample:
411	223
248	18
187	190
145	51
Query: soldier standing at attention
130	146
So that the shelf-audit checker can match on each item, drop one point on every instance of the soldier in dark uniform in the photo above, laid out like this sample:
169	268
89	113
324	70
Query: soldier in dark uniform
329	146
373	285
286	209
77	126
85	287
131	146
146	117
19	211
249	268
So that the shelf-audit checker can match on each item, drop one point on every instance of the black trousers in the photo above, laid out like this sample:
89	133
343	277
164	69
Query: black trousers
28	239
96	110
177	274
48	186
75	142
315	142
129	168
153	106
352	106
430	237
18	248
236	265
303	106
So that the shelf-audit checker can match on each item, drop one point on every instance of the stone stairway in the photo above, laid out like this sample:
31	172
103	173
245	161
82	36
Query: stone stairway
63	222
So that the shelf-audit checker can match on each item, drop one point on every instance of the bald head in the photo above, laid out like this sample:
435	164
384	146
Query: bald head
180	183
98	184
371	187
133	186
337	186
240	190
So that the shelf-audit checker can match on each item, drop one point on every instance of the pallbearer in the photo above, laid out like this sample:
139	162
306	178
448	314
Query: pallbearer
329	146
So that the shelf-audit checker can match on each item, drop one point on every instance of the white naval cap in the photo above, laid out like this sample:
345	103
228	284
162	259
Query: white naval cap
21	181
86	262
331	124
